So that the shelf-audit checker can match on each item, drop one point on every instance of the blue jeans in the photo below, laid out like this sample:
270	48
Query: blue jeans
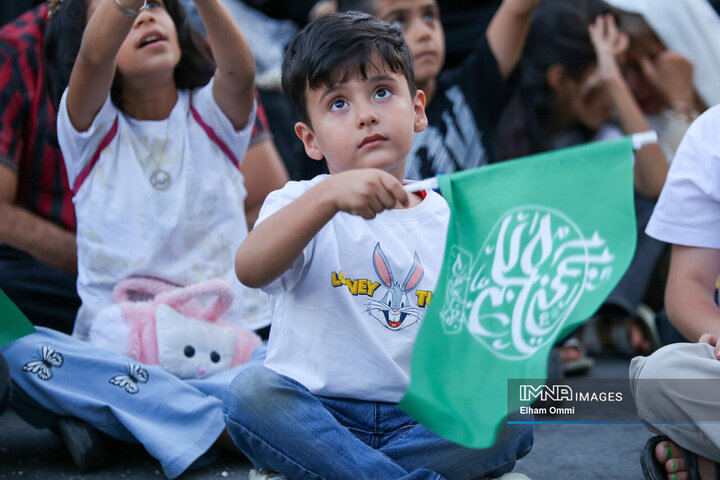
283	427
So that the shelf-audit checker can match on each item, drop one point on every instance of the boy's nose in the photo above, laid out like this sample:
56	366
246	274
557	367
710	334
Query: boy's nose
366	117
419	30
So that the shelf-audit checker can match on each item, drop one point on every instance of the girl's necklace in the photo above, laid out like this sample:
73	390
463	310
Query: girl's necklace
160	178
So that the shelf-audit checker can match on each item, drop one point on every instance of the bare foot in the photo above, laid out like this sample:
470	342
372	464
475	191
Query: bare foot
671	455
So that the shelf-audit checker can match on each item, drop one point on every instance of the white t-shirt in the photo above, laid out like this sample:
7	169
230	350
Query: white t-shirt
184	234
688	210
346	314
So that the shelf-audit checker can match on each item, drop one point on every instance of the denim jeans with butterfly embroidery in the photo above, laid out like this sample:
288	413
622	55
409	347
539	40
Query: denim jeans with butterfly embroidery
284	428
176	420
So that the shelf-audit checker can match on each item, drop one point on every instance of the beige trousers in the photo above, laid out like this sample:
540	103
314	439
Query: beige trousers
677	392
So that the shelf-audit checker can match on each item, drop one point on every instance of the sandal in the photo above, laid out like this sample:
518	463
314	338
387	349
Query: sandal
611	333
654	470
576	366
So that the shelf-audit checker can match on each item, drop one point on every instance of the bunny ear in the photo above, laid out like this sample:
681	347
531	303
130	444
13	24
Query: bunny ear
414	275
382	266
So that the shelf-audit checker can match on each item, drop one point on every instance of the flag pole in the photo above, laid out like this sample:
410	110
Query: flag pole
639	140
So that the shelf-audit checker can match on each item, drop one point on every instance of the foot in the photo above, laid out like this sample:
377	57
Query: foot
638	342
670	455
569	353
89	448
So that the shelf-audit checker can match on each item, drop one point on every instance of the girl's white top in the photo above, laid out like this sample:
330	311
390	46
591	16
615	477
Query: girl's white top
184	234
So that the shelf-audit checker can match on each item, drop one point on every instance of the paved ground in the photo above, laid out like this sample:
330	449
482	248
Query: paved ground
561	452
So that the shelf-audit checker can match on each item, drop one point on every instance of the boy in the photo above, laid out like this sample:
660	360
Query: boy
463	104
676	388
348	293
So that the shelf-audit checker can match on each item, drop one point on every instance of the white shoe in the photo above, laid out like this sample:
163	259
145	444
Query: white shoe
263	474
514	476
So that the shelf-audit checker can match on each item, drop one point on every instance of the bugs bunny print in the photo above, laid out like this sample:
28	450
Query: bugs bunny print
395	310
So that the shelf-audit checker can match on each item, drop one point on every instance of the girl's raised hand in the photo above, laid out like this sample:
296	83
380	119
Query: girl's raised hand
610	45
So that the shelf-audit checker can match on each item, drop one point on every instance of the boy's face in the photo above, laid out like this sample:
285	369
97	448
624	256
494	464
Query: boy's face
363	123
423	32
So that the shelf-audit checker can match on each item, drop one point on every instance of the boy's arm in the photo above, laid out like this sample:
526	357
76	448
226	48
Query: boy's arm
507	32
690	291
275	243
233	88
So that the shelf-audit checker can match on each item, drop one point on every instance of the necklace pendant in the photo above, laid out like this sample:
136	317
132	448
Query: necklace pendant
160	179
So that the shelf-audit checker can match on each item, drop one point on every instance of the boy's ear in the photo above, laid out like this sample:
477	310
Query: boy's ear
421	121
307	136
558	80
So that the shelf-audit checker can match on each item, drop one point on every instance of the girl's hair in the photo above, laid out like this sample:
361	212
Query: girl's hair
64	35
558	35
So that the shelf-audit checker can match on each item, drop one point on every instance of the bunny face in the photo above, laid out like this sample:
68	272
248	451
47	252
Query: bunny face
395	311
190	348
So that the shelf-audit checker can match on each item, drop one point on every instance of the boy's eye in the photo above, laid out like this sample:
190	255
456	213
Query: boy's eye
338	104
429	17
383	92
152	4
399	22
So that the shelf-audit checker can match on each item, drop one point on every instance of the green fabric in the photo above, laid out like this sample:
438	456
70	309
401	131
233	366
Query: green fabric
534	247
13	323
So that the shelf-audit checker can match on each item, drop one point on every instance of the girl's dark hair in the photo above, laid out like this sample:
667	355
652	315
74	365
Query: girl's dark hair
338	46
558	35
64	35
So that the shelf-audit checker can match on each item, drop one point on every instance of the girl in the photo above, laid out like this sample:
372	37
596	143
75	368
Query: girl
571	85
152	151
154	164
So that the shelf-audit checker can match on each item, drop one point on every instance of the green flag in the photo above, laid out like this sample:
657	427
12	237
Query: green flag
13	323
534	246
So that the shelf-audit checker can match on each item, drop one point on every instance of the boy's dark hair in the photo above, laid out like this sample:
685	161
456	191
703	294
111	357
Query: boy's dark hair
336	47
366	6
64	35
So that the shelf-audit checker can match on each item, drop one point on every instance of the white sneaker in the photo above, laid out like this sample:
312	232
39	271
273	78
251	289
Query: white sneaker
514	476
263	474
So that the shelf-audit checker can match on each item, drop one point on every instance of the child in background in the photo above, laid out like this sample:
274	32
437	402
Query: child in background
570	91
338	360
463	104
152	152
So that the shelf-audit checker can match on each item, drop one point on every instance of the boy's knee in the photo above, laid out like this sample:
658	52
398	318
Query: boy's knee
252	390
675	361
660	380
250	383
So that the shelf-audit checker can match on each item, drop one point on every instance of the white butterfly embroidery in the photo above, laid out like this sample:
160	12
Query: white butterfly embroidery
43	366
134	374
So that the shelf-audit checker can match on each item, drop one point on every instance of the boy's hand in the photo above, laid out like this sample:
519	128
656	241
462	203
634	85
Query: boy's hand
366	192
711	340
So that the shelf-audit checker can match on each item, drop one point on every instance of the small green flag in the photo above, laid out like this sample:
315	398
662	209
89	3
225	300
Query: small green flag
534	247
13	323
